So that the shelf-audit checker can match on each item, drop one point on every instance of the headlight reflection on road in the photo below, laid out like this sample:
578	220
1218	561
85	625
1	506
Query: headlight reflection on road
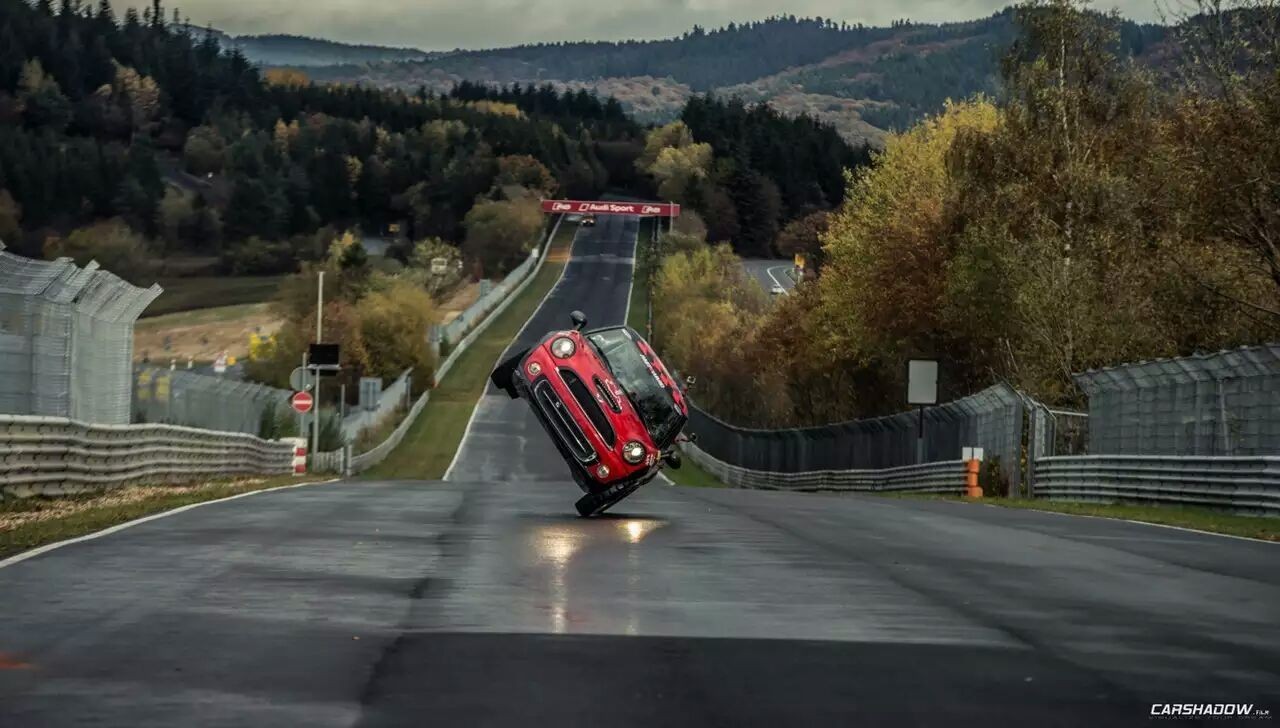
636	530
557	545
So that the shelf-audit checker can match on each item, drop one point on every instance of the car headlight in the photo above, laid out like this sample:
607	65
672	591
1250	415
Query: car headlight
563	347
633	452
602	472
534	368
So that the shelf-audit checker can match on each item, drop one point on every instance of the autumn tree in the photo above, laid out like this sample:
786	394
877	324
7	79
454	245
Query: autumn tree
500	233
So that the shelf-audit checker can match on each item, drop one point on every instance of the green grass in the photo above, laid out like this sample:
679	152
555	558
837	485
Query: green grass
637	317
188	294
692	475
431	442
90	513
1200	519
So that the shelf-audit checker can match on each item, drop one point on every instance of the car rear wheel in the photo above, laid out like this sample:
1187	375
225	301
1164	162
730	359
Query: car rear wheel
593	504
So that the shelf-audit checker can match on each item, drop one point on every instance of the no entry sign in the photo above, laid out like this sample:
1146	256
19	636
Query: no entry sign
579	207
302	402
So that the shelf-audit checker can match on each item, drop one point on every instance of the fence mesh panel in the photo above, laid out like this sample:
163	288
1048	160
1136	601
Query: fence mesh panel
179	397
66	339
990	419
1226	403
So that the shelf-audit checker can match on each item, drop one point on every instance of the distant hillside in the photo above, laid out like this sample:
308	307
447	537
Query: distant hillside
863	80
293	50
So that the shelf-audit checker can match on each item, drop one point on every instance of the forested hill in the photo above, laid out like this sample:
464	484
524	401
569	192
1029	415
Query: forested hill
862	79
135	141
293	50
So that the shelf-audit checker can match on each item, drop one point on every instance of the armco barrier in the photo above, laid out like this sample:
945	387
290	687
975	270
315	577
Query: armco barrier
1242	484
511	287
940	477
57	456
332	462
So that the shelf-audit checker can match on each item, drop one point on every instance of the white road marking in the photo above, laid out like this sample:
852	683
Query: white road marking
154	517
1145	523
466	434
776	282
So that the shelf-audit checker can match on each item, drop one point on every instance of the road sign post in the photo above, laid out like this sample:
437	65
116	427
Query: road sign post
302	402
922	391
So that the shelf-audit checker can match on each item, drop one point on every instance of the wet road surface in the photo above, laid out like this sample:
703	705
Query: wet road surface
484	600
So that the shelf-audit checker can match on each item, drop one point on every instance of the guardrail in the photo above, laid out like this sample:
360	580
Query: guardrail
57	456
939	477
388	400
1242	484
333	462
506	291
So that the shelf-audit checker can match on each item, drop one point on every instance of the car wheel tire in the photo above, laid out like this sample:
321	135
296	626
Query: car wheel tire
593	504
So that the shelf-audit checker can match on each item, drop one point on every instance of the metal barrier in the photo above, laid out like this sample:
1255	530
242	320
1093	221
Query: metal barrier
1224	403
343	463
57	456
180	397
991	419
939	477
390	398
511	286
1242	484
66	339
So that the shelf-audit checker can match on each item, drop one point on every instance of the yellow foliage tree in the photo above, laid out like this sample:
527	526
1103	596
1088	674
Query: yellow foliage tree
394	323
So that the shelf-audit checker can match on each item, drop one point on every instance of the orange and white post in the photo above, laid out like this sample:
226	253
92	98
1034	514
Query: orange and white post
972	466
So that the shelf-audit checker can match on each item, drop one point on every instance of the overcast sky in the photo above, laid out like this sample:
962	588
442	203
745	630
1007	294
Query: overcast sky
449	24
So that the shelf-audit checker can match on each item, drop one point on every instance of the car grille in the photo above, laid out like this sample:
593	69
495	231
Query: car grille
589	405
608	396
560	419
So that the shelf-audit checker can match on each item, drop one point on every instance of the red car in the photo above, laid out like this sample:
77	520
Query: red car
609	404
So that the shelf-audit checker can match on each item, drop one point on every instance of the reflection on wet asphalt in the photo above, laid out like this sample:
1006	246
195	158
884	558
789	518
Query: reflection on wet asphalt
485	600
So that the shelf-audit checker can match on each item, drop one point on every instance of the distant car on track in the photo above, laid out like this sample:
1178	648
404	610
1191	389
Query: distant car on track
777	290
588	221
610	405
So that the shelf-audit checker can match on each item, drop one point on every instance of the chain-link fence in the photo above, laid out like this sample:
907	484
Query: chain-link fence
179	397
66	339
990	419
1226	403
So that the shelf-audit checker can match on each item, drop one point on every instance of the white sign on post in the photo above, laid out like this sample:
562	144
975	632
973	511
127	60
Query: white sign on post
922	382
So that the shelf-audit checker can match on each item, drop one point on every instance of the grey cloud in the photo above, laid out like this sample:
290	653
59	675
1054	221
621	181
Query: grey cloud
448	24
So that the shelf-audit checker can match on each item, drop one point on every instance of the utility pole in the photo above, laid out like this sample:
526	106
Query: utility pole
315	423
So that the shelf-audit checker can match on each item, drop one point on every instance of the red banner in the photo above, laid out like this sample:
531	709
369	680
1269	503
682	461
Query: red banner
578	207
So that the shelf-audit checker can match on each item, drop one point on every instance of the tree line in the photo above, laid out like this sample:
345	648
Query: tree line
748	170
148	122
1097	214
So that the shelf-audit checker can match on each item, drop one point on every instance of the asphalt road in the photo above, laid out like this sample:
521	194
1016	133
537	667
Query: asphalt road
484	600
769	273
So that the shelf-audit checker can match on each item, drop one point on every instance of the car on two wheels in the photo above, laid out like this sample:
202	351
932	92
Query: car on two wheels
611	407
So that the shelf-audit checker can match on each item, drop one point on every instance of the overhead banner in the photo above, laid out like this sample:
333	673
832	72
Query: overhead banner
579	207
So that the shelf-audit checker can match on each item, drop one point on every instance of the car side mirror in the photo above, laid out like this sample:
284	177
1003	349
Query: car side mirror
579	319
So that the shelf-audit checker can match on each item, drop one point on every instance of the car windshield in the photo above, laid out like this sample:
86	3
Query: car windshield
639	379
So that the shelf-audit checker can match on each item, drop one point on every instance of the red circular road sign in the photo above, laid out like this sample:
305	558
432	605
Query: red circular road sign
302	402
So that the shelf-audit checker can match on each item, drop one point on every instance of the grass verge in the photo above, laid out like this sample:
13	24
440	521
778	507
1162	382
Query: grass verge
1200	519
32	522
431	442
692	475
637	315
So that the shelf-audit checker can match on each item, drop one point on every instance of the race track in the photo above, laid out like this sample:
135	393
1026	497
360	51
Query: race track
484	600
